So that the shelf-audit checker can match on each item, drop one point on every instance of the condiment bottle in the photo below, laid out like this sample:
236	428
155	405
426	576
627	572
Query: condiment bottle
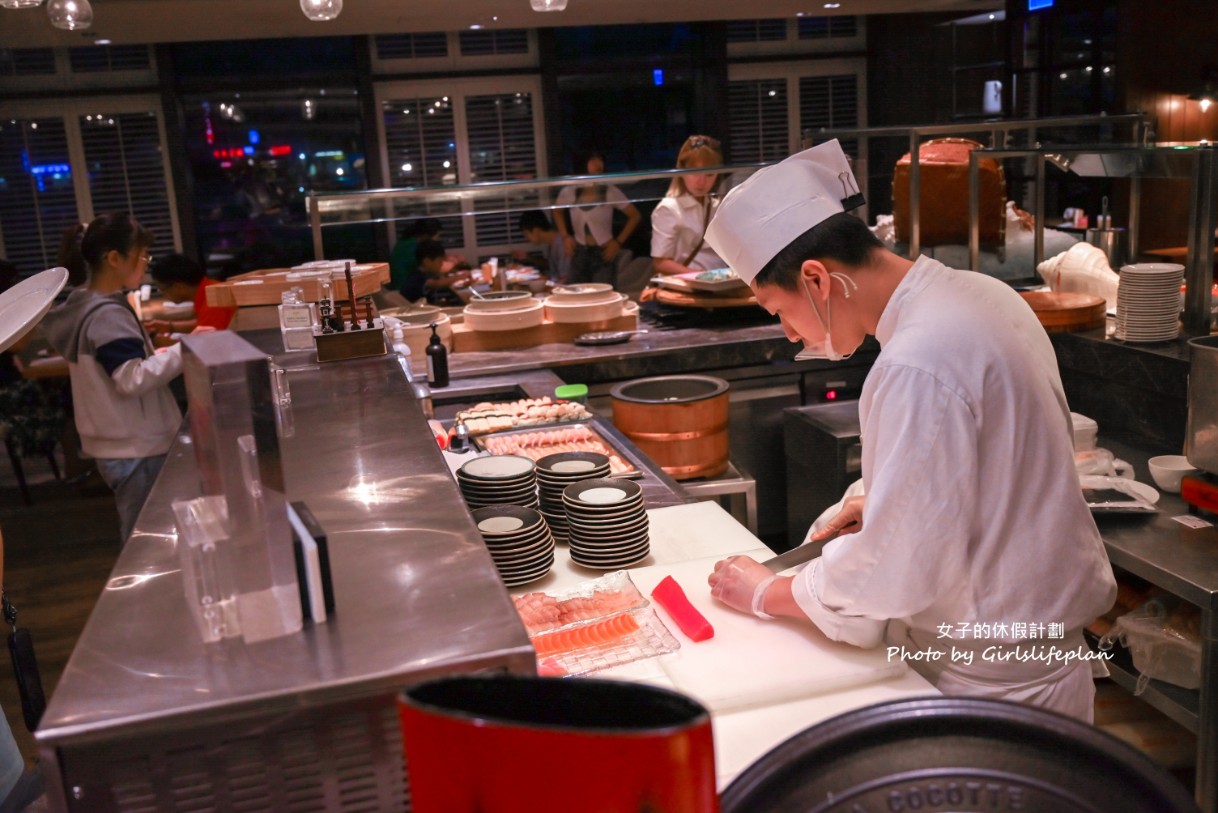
437	360
294	312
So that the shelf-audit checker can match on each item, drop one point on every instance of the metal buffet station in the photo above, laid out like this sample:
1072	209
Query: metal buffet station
147	717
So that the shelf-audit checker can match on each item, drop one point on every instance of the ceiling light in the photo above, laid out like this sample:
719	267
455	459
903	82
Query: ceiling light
20	3
321	10
548	5
103	41
833	5
70	15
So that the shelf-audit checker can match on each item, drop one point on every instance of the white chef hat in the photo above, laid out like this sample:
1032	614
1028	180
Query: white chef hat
778	203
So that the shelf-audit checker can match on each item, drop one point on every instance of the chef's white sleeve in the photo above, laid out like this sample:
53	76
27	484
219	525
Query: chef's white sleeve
921	471
138	376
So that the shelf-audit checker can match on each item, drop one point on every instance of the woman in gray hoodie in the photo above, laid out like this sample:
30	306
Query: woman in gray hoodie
125	413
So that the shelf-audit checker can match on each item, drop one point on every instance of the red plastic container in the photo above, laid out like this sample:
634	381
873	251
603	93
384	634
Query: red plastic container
549	745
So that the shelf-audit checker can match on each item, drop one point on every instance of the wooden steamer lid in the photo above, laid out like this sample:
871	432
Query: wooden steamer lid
1064	311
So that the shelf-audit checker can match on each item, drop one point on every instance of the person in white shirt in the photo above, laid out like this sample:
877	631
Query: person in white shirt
588	235
972	555
679	221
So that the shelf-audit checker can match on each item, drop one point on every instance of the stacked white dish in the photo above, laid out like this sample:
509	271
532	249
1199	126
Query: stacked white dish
1148	302
529	313
557	471
498	480
519	542
608	525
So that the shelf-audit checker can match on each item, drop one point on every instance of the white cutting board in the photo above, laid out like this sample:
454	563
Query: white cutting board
750	662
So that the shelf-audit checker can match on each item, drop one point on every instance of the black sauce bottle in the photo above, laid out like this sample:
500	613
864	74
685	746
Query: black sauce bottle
437	360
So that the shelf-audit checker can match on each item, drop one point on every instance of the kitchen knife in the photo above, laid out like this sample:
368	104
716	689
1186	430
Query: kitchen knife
797	556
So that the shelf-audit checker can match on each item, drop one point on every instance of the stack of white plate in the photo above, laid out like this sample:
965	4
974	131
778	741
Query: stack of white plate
1148	302
519	541
557	471
608	523
504	479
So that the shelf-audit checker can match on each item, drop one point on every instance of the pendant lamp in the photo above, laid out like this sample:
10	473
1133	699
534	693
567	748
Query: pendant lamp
20	3
548	5
321	10
70	15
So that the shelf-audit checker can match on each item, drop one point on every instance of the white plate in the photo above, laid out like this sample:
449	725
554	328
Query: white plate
27	302
730	284
602	496
1142	497
497	466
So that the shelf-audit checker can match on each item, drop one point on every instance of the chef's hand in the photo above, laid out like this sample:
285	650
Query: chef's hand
847	521
735	582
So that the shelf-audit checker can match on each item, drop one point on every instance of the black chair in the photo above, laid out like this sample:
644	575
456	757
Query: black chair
954	753
14	456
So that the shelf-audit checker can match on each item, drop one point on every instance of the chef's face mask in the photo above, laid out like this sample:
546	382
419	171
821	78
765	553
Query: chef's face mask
824	350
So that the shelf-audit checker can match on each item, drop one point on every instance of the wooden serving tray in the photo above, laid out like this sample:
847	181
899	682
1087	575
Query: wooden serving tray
466	339
698	300
1066	311
266	286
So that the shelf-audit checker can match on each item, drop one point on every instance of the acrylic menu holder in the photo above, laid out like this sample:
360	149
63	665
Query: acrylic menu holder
210	590
243	519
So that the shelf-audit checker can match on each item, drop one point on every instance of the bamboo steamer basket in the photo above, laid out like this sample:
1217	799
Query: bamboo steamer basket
1066	311
679	421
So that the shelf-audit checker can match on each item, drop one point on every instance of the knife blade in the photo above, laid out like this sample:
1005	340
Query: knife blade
797	556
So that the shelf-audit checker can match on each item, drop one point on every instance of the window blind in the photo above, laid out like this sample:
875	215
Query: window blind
127	171
421	145
27	61
830	102
109	58
759	127
502	147
487	42
411	46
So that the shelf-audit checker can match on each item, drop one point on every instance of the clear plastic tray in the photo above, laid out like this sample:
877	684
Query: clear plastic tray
652	638
614	591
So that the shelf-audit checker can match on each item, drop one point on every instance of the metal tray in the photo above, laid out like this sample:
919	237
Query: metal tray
598	434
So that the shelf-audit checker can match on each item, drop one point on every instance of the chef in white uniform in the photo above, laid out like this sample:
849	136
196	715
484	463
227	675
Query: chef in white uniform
972	555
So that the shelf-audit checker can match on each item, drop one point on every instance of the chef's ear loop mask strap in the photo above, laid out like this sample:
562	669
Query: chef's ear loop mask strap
826	351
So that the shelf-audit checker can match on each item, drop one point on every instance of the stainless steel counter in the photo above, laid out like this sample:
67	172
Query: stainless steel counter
1183	561
416	595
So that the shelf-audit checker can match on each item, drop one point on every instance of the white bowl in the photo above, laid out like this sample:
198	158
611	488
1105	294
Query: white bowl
529	316
1168	470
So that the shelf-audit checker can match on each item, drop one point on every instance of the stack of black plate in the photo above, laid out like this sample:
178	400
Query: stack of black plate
519	541
498	480
557	471
608	523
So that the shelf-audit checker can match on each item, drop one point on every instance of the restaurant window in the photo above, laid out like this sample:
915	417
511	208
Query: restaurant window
819	28
486	43
502	147
411	46
27	61
109	58
771	104
462	131
760	128
85	159
434	52
126	169
830	102
804	34
254	156
37	198
756	30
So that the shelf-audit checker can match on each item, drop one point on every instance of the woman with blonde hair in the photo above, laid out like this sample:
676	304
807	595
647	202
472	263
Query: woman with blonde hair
678	223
